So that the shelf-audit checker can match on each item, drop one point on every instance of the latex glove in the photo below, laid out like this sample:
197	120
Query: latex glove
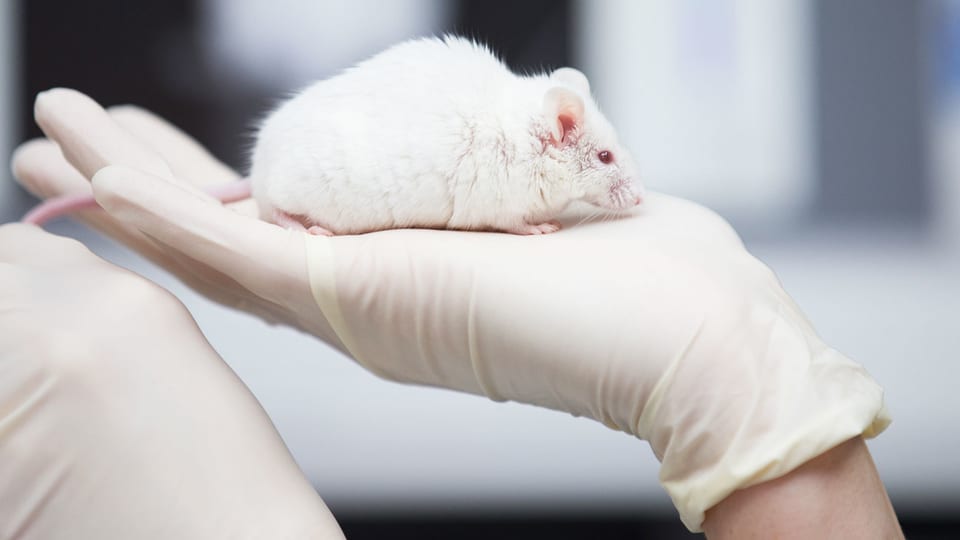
659	325
117	419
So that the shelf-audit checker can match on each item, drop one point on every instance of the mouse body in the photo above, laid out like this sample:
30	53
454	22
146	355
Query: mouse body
438	133
431	133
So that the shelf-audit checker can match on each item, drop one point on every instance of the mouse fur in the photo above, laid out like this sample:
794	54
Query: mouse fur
438	133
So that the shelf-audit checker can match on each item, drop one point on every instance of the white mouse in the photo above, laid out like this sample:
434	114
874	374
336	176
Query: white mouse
437	133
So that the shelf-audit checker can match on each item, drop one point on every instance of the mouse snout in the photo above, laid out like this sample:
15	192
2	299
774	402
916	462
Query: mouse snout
639	194
637	190
624	193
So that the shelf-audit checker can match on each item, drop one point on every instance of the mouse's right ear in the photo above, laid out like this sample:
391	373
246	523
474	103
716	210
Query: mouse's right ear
573	78
563	112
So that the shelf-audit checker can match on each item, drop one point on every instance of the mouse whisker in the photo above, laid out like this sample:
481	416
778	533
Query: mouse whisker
585	218
591	217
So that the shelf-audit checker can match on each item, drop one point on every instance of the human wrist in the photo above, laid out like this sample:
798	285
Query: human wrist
835	495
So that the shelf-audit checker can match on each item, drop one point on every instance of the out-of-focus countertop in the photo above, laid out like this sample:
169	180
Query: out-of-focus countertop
890	300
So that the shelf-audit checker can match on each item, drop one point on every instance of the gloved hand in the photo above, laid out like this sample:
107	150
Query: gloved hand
117	419
660	325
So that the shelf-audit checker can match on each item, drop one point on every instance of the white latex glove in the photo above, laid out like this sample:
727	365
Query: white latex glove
660	325
117	419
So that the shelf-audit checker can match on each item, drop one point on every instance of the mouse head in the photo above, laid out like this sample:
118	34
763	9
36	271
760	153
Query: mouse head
600	171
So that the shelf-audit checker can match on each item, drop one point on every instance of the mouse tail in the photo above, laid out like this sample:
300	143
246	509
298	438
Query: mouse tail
58	206
67	204
231	191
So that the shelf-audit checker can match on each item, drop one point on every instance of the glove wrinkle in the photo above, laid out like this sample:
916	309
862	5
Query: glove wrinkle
321	267
484	381
648	412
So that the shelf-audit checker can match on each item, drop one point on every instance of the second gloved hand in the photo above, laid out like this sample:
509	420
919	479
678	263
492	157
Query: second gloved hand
119	421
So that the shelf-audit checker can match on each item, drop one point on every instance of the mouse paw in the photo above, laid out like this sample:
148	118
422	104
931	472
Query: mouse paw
287	221
317	230
541	228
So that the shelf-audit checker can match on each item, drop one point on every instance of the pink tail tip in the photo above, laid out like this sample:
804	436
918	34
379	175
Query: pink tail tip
58	206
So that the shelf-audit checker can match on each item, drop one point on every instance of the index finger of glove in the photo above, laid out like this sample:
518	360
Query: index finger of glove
261	257
89	139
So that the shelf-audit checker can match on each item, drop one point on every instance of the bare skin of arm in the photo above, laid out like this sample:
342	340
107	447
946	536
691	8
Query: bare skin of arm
836	495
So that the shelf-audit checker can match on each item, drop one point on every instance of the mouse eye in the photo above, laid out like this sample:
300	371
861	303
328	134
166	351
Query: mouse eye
605	156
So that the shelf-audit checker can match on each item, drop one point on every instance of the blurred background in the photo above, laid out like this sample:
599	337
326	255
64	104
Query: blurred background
827	132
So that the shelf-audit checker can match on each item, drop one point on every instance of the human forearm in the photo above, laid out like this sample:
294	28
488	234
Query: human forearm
836	495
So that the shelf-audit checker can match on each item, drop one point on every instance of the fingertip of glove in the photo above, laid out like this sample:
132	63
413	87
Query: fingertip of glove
38	166
49	100
21	156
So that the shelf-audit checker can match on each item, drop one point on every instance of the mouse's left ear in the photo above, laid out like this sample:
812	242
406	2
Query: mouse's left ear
563	111
573	78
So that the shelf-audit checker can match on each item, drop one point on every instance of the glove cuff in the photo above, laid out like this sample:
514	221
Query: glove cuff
833	402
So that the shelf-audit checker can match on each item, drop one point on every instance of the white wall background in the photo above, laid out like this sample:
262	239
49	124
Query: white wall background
945	139
282	45
712	97
945	135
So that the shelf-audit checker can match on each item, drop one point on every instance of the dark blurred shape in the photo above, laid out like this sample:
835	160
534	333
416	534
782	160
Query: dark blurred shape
113	50
871	105
530	36
552	527
562	528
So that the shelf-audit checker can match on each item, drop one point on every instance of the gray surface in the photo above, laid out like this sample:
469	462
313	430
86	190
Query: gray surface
871	100
11	198
885	297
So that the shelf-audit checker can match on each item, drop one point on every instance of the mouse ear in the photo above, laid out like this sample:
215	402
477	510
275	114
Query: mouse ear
563	111
572	78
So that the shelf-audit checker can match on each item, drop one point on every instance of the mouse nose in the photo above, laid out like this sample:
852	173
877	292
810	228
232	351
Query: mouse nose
636	188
